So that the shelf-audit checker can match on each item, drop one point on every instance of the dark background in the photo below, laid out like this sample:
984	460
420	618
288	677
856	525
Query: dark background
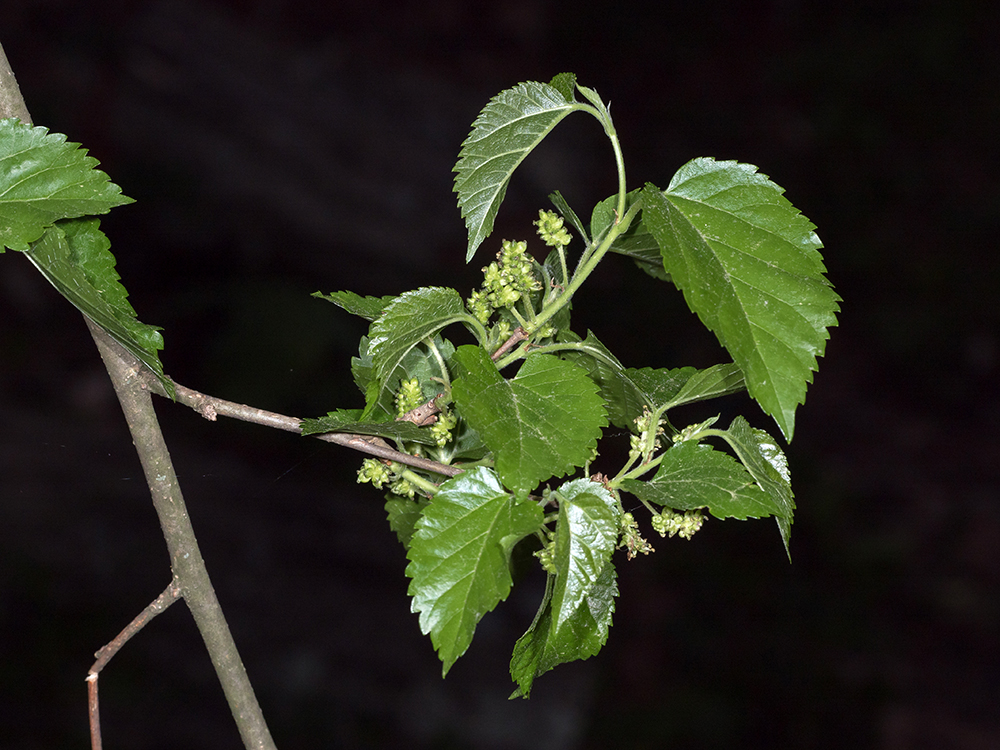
279	148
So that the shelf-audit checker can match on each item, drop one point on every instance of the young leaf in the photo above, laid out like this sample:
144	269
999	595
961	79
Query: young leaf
542	423
576	614
585	538
635	242
75	257
418	363
713	382
583	635
350	421
459	557
368	308
748	264
404	323
565	84
43	178
560	204
506	131
696	476
763	458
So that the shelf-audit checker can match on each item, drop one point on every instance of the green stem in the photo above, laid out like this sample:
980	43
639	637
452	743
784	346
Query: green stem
477	328
637	472
584	270
418	481
445	379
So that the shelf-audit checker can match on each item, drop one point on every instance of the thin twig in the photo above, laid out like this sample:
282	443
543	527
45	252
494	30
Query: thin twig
423	415
516	337
186	560
170	595
211	407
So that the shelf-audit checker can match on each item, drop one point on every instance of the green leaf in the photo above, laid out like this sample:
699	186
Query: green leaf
75	257
403	515
749	265
713	382
404	323
764	460
575	616
541	649
624	390
659	386
636	242
350	421
460	557
586	535
560	204
368	308
694	476
542	423
43	179
565	84
363	372
506	131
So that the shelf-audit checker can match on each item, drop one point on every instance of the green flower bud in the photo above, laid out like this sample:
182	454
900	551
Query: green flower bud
409	396
374	471
551	229
441	430
493	279
402	487
503	330
480	306
547	554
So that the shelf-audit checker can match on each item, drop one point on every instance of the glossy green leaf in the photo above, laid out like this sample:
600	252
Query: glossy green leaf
460	557
749	265
44	178
575	617
75	257
586	535
694	476
506	131
404	323
368	308
542	423
766	462
350	421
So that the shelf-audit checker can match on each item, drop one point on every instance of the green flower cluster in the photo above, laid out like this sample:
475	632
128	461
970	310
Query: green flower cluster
505	281
374	471
547	554
380	474
631	538
551	229
441	430
644	441
683	525
409	396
